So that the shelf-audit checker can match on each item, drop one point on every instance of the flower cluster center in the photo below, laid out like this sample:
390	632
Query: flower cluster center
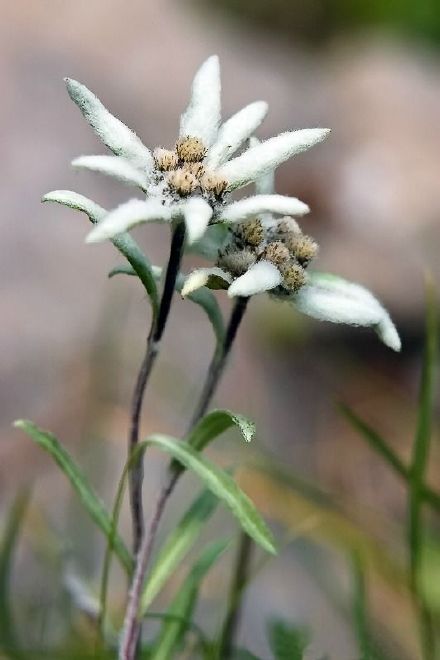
281	242
184	172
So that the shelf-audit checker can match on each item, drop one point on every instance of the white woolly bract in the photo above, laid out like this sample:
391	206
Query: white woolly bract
235	131
201	277
266	156
260	277
331	298
251	206
197	214
202	117
76	201
265	185
128	215
115	135
116	166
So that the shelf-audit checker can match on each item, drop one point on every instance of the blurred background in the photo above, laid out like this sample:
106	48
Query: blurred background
71	340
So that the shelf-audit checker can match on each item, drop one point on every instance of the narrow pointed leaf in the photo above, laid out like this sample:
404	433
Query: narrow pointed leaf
124	242
173	632
90	500
177	545
235	131
266	156
8	544
115	166
222	485
422	438
115	135
202	117
217	422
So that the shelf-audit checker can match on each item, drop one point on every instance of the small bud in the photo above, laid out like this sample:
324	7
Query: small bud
303	247
165	159
237	263
182	182
294	276
276	252
211	183
286	225
197	169
190	149
252	232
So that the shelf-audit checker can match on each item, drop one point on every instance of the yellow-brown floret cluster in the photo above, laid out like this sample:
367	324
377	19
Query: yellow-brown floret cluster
282	243
184	171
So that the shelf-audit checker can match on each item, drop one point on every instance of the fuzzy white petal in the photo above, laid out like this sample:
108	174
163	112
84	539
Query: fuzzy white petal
266	156
201	277
202	117
235	131
265	185
251	206
116	136
331	298
260	277
197	214
115	166
128	215
76	201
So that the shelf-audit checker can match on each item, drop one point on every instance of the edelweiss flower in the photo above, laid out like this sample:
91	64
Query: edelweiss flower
269	254
193	181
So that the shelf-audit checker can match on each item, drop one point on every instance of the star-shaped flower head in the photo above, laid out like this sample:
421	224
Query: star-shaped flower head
193	181
270	254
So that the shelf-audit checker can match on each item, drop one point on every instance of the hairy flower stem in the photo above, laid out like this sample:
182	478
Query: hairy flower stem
239	580
132	624
152	350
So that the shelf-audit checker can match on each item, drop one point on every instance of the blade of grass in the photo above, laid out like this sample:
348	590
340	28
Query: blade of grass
173	632
418	470
92	503
177	545
381	447
8	637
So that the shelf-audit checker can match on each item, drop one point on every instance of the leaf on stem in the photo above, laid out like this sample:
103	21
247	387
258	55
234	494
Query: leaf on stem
173	632
215	423
90	500
222	485
8	545
177	545
125	243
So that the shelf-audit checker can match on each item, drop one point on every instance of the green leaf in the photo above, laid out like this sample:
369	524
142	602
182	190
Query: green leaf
177	545
173	632
287	642
92	503
124	242
8	637
215	423
381	447
422	439
222	485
